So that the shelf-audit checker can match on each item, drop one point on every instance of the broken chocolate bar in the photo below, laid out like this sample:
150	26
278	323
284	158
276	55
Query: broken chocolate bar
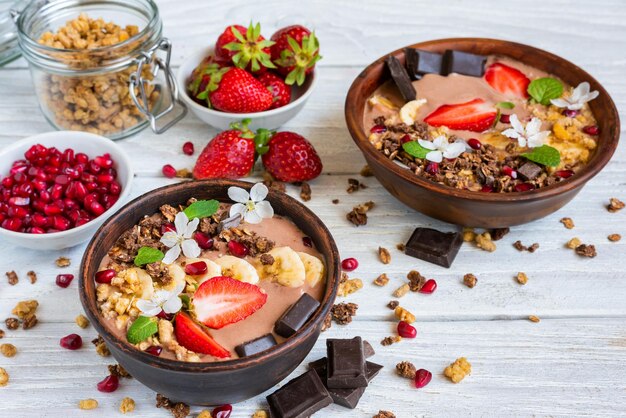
529	171
346	363
463	63
420	62
434	246
255	346
368	350
401	78
295	317
300	397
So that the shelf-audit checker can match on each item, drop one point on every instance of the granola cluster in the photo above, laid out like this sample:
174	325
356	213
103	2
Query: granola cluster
458	370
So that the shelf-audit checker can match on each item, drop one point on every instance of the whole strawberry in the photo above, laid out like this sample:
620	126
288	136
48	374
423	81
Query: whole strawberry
237	91
281	92
295	53
230	154
245	48
290	158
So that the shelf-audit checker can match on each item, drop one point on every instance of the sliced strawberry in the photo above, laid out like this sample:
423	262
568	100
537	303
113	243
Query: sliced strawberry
223	300
193	337
475	115
507	80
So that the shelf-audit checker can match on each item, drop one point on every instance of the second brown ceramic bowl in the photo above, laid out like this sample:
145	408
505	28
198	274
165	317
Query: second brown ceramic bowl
463	207
212	383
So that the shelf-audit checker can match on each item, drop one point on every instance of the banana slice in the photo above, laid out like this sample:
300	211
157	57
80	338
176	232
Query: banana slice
408	112
382	101
313	267
237	268
137	275
288	268
178	277
213	269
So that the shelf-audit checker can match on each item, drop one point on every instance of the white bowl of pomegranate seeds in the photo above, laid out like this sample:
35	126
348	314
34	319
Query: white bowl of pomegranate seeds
57	188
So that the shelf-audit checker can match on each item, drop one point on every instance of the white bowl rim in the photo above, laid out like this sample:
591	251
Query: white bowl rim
198	55
31	140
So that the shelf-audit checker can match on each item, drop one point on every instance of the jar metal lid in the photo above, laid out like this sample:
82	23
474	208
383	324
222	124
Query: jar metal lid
9	45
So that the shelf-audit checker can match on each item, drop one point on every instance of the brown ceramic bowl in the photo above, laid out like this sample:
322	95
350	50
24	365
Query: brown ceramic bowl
216	382
463	207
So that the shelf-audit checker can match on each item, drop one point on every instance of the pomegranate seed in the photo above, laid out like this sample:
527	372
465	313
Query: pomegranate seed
82	221
164	315
570	113
55	208
81	158
105	178
429	287
204	241
564	174
88	177
40	185
91	186
378	129
115	188
237	249
307	242
405	139
167	227
487	189
60	223
105	276
169	171
523	187
504	118
62	179
96	208
188	148
223	411
406	330
109	200
7	182
72	342
24	190
109	384
12	224
19	201
422	378
155	350
508	171
591	130
196	269
94	168
39	219
432	168
68	156
474	143
104	161
57	191
17	212
64	280
36	230
349	264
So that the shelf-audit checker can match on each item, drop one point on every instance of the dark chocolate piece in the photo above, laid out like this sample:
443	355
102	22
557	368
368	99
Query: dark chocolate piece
401	78
529	170
463	63
346	363
300	397
411	62
232	222
425	62
294	318
256	346
434	246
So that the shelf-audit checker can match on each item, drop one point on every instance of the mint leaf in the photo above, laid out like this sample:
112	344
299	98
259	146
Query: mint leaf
544	155
147	255
414	149
143	328
202	209
544	89
505	105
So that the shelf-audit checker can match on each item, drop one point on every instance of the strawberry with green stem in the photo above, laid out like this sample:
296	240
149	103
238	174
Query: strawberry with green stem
287	156
295	52
246	48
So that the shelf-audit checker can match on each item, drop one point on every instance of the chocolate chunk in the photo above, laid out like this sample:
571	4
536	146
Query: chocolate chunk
463	63
232	222
300	397
529	170
434	246
401	78
346	363
294	318
411	61
368	350
420	62
256	346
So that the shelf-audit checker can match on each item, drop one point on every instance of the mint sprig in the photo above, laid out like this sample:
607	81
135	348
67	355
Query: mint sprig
147	255
544	155
202	209
143	328
542	90
414	149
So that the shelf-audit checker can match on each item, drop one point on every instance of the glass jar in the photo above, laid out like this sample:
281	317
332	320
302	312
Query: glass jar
9	48
100	66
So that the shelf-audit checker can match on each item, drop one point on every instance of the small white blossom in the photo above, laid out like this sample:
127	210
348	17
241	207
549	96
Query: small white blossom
441	148
529	136
580	95
250	206
162	300
181	239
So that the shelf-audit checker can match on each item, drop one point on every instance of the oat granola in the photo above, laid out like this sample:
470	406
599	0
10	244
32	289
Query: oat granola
615	205
586	250
614	237
404	315
4	377
88	404
384	255
458	370
358	215
470	280
406	369
8	350
12	277
522	278
342	313
381	280
127	405
63	262
391	340
401	291
32	277
567	223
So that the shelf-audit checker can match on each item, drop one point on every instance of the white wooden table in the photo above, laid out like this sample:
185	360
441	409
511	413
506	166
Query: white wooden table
571	363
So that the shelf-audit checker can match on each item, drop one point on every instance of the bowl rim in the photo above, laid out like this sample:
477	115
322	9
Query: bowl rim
198	55
591	169
332	276
105	142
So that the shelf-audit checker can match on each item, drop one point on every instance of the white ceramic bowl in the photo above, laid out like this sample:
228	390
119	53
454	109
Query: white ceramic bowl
90	144
269	119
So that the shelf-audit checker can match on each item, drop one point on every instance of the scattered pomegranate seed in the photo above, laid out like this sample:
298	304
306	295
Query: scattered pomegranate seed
237	249
422	378
523	187
508	171
349	264
405	139
223	411
378	129
307	242
196	269
109	384
429	287
188	148
72	342
591	130
155	350
165	315
474	143
432	168
504	118
169	171
564	174
487	189
105	276
406	330
570	113
64	280
204	241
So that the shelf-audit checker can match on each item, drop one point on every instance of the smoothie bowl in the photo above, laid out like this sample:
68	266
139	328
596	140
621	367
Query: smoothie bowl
210	292
481	132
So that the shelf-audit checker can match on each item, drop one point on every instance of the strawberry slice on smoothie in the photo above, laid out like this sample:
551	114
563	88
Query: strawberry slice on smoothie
475	116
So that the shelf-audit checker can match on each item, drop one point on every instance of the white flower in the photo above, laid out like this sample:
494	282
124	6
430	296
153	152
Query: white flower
181	239
578	98
528	136
441	148
162	300
250	206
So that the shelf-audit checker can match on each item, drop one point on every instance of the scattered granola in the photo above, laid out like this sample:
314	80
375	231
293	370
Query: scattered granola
468	234
384	414
390	340
401	291
1	334
184	173
32	276
88	404
586	250
342	313
25	308
404	315
393	304
205	413
522	278
358	215
119	371
498	233
335	201
384	255
615	205
573	243
366	171
12	277
401	246
416	280
63	262
458	370
273	184
355	185
82	321
349	286
534	247
127	405
521	247
305	191
484	241
260	414
12	323
101	347
381	280
178	410
533	318
4	377
267	259
470	280
614	237
8	350
29	322
567	223
406	369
